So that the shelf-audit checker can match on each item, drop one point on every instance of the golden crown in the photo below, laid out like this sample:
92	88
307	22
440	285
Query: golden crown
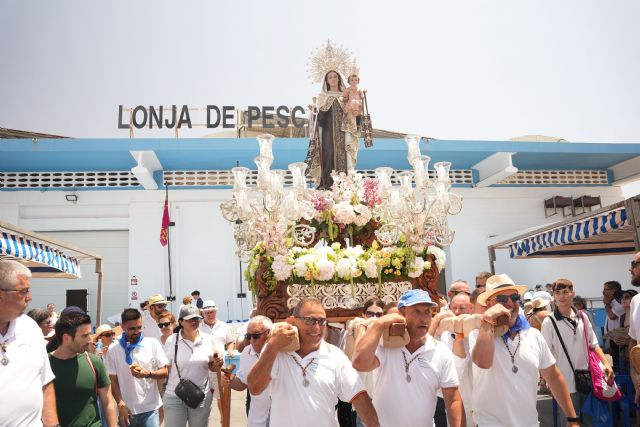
329	57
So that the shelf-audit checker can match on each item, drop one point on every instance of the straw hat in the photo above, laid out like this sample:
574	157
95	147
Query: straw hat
499	283
528	308
157	299
539	303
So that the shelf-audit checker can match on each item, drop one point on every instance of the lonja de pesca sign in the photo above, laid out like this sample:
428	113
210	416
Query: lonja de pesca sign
174	116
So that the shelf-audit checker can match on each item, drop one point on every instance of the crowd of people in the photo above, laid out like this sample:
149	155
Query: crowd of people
471	358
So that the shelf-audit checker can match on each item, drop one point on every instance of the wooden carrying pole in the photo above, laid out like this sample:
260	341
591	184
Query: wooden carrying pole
225	395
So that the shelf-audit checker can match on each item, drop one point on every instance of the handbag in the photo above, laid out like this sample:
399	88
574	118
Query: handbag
601	388
582	376
366	124
186	390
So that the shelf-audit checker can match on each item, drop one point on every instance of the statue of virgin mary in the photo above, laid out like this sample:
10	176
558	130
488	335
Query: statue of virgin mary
330	147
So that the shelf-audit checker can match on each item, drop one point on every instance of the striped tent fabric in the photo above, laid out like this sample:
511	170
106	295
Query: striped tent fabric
42	260
605	233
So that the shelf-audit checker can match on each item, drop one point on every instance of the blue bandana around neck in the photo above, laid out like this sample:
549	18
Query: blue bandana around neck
521	325
128	348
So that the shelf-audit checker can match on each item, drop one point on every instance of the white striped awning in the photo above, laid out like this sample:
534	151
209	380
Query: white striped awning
42	260
605	233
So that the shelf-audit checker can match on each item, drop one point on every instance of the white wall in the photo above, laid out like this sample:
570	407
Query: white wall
203	252
488	214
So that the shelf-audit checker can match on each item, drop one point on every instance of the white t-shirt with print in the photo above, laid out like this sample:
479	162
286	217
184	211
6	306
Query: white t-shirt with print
402	403
504	398
331	377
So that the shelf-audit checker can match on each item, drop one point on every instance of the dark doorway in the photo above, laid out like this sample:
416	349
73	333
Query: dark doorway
77	297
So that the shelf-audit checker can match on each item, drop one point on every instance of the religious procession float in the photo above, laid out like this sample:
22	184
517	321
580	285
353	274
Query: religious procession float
349	236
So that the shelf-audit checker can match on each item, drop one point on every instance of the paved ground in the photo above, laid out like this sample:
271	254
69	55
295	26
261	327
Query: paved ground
239	418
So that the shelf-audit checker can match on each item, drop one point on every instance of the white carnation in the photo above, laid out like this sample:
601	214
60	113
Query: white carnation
370	268
326	269
416	267
345	267
439	254
343	213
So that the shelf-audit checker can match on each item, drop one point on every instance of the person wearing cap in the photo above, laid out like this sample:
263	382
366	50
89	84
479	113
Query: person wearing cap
408	378
150	317
305	384
568	325
194	355
135	363
222	338
506	364
537	312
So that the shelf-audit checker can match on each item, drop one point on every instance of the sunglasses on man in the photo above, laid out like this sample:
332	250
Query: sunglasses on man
502	299
313	320
254	335
634	264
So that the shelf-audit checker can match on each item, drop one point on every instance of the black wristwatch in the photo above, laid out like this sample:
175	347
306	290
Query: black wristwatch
573	419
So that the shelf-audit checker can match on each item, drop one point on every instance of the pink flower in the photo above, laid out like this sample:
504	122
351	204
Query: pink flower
371	193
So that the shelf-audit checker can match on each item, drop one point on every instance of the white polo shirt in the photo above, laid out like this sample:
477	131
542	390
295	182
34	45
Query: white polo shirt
193	361
331	377
150	326
260	404
575	344
220	332
502	398
140	394
402	403
24	376
634	322
464	371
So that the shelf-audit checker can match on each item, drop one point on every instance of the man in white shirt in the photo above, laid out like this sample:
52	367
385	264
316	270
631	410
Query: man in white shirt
25	373
222	339
406	379
134	364
150	317
634	322
506	367
258	406
571	329
305	384
459	346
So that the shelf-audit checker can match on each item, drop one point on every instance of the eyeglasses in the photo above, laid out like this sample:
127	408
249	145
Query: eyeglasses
22	292
313	320
502	299
373	313
163	306
164	325
254	335
634	264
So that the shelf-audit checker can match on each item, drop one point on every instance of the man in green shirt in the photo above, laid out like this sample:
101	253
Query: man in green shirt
81	378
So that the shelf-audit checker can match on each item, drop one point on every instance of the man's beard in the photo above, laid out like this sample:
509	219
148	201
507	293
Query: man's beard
635	280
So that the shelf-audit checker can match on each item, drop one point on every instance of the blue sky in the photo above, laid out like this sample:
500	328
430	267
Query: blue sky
450	70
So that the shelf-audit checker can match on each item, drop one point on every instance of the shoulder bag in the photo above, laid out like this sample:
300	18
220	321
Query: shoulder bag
601	388
582	376
186	390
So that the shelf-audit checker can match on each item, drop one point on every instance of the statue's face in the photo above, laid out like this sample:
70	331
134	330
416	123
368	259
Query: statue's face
333	79
353	80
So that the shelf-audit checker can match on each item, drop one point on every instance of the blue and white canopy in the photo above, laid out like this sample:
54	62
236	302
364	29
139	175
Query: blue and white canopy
42	260
608	232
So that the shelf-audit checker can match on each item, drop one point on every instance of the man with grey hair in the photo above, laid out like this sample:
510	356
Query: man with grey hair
258	329
24	365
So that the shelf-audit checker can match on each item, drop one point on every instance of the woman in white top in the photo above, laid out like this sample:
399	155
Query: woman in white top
195	353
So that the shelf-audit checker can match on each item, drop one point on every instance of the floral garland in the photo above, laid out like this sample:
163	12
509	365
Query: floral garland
344	212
